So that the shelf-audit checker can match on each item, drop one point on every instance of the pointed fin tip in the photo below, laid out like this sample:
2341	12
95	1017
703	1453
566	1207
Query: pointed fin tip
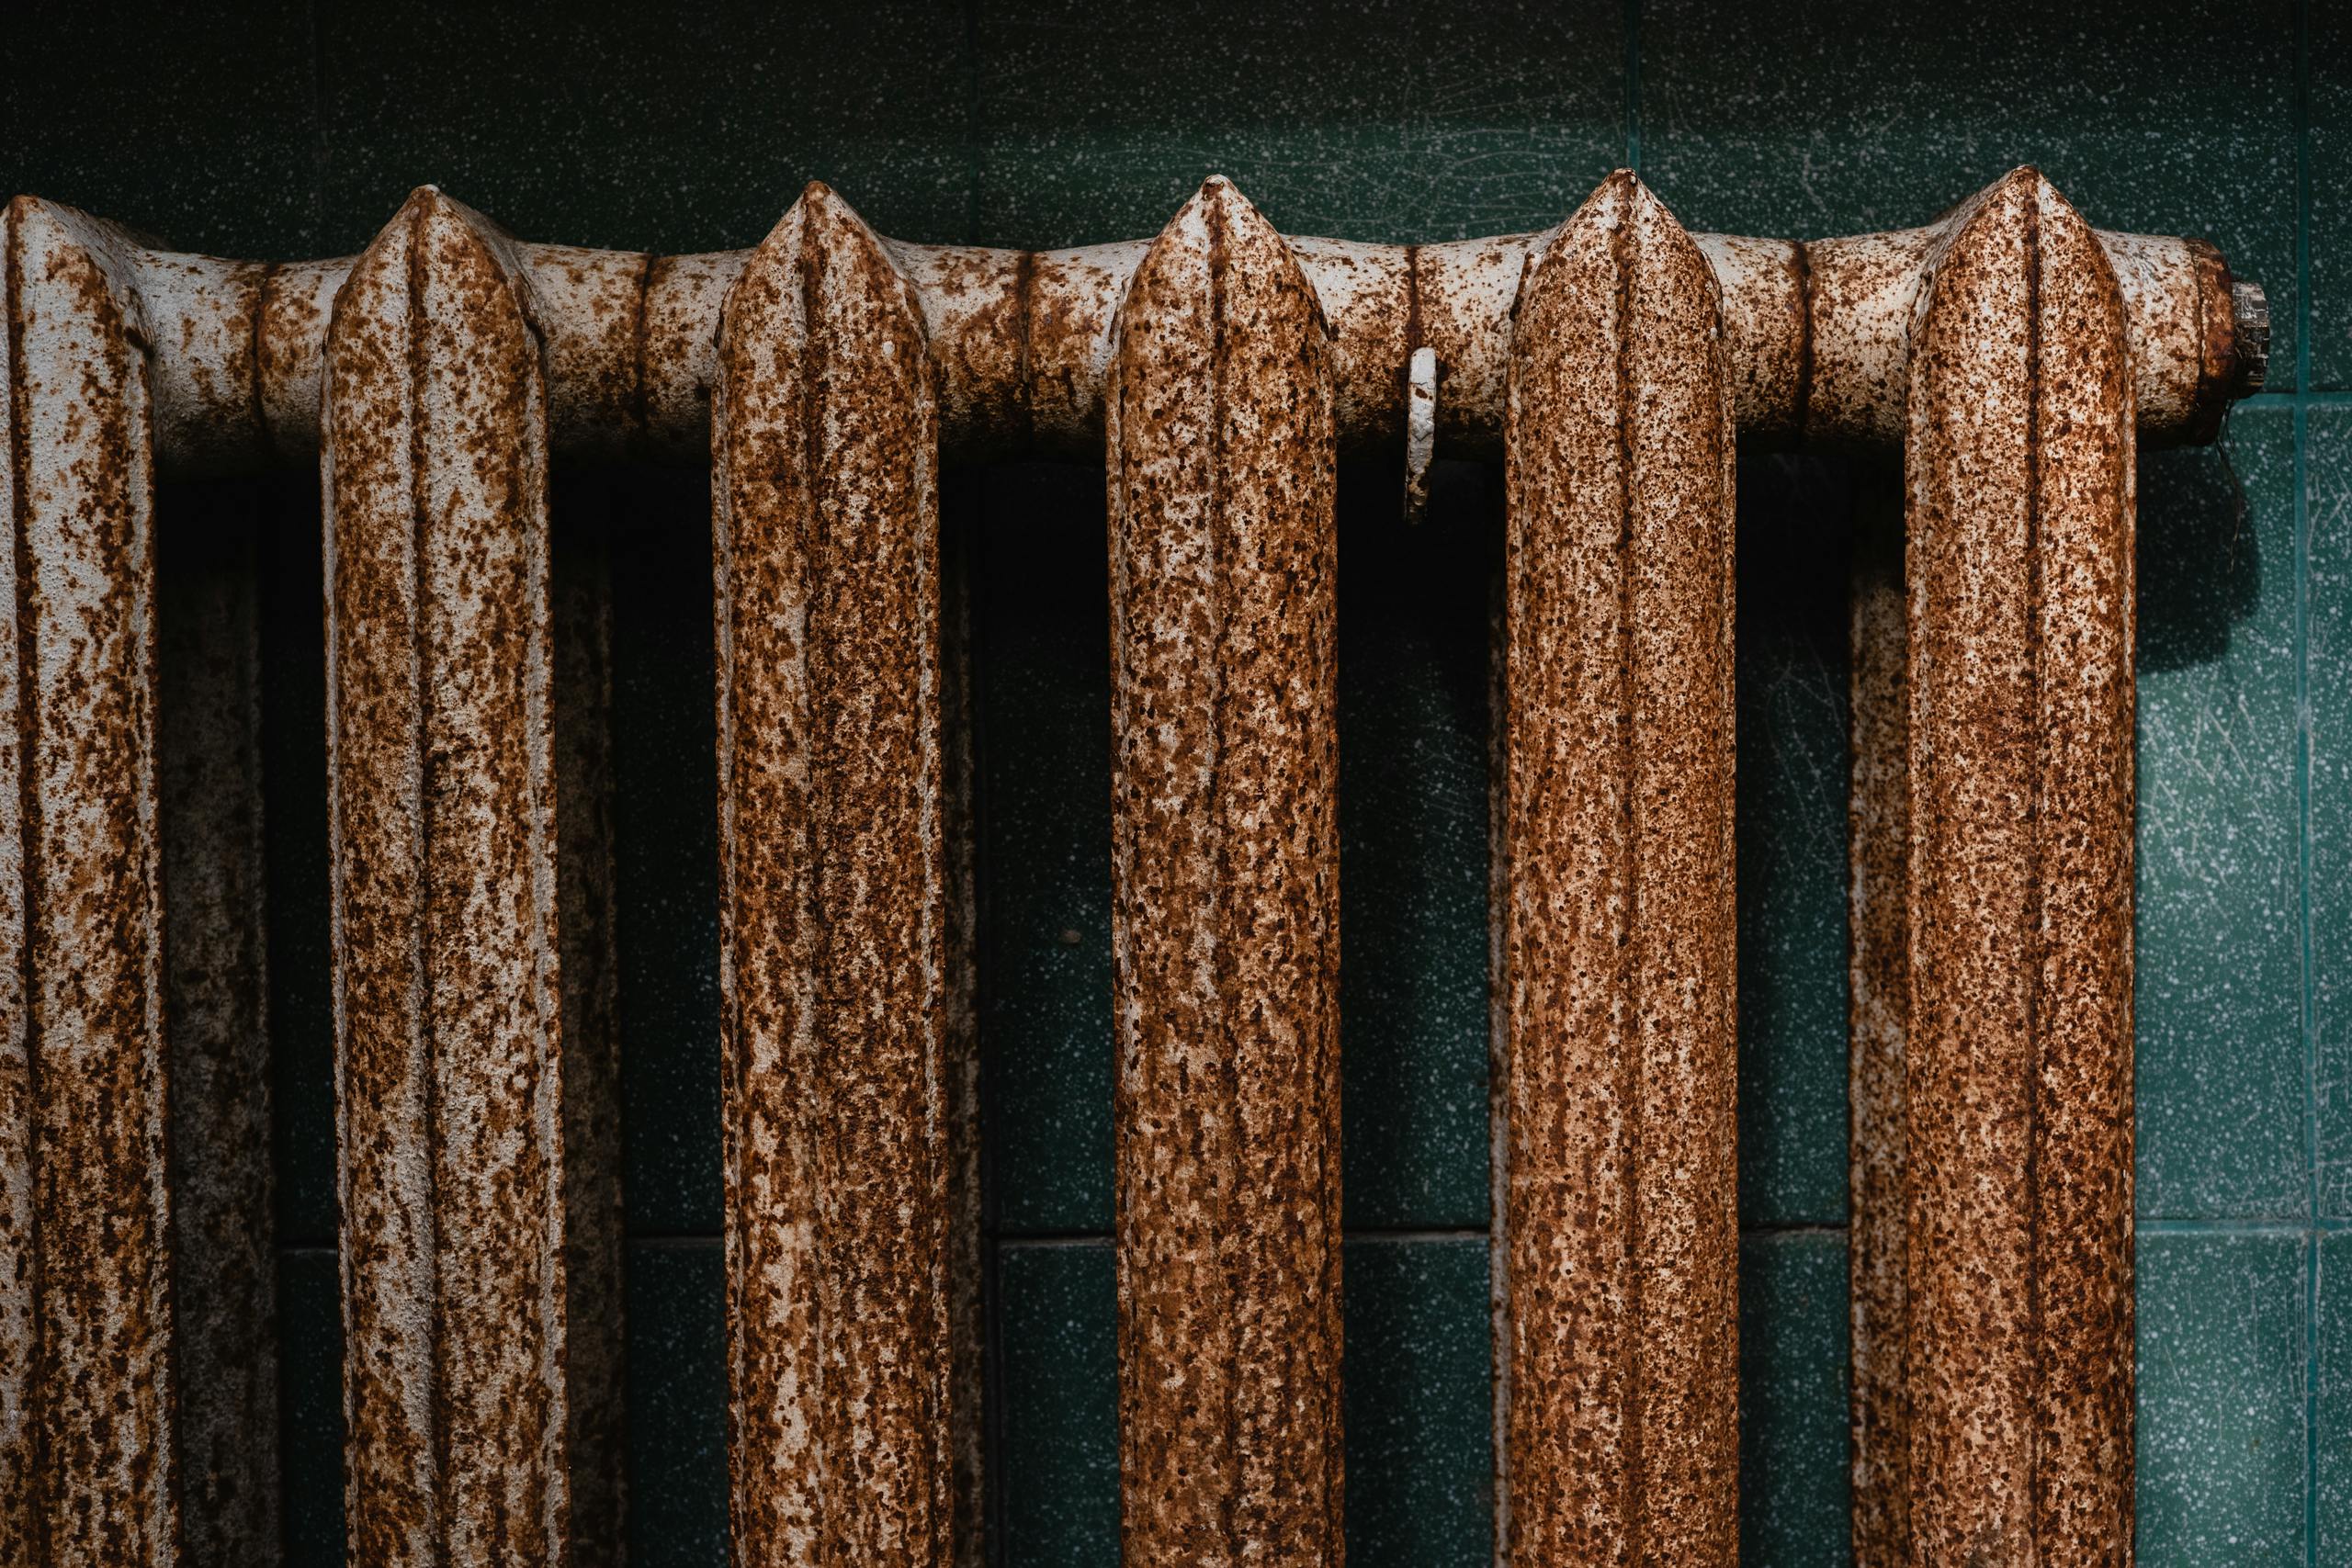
1619	196
820	221
817	199
431	200
1233	212
2023	185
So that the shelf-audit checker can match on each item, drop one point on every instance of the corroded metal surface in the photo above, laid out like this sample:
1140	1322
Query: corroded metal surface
223	1232
581	603
88	1464
1615	1199
1813	332
836	928
1225	904
2017	1111
447	1019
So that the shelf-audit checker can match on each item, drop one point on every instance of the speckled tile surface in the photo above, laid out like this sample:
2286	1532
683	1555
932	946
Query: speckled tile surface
1042	695
2328	619
193	124
1420	1487
2221	1050
2328	84
2332	1438
689	129
677	1409
1413	604
1057	1464
1845	114
2223	1370
1379	121
1792	1351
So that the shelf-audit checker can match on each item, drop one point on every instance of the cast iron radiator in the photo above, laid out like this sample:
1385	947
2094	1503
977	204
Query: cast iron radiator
2012	354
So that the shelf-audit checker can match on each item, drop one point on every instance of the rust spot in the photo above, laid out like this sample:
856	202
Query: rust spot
588	309
838	929
1368	294
679	351
1617	1154
289	355
1225	906
2227	370
975	303
1767	334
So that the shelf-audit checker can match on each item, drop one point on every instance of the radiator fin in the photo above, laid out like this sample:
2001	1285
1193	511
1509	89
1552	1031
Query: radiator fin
1225	899
1615	1075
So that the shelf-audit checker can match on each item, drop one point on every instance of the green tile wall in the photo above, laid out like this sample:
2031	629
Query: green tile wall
289	130
2225	1359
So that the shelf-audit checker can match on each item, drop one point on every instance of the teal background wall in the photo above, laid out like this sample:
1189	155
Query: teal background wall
294	129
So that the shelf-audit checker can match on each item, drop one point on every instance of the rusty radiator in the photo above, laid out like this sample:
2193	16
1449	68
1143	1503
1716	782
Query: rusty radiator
2012	356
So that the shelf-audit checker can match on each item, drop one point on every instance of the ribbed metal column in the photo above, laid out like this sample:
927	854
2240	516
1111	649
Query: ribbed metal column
1616	1239
1226	899
2014	1327
449	1092
837	934
88	1457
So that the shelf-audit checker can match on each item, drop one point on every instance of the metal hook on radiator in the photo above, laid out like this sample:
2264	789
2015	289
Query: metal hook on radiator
1420	430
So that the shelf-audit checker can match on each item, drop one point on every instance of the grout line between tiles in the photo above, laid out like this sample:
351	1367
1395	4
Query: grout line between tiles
2303	779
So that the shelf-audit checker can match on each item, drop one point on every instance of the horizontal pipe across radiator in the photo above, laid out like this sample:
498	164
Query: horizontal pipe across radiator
1815	332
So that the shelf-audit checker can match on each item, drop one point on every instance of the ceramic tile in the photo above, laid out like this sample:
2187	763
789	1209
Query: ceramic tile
1419	1409
1792	1373
2220	1054
2222	1373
